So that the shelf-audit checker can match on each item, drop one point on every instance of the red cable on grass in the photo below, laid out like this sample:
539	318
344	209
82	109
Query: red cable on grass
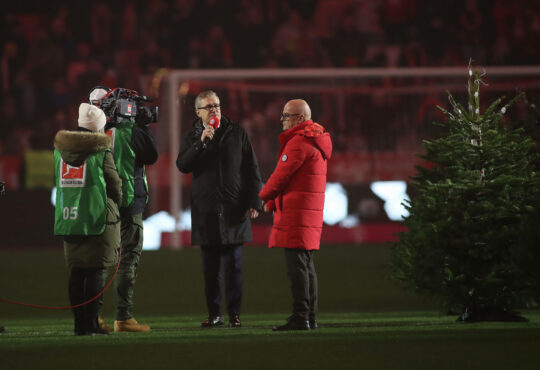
68	307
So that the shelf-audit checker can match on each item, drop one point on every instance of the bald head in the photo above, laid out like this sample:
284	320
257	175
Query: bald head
295	112
299	106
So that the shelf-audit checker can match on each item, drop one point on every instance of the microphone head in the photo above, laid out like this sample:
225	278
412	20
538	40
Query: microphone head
214	122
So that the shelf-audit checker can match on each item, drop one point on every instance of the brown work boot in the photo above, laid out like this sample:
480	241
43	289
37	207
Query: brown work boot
130	325
103	325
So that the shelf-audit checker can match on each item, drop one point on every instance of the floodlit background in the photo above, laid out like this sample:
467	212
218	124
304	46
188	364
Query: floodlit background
372	71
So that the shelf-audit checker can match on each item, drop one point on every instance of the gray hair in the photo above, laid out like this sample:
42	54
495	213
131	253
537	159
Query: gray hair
203	95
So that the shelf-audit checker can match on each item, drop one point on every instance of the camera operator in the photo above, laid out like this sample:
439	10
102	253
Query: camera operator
133	148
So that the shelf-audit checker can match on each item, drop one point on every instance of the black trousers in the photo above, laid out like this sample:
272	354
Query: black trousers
231	256
303	279
84	284
132	243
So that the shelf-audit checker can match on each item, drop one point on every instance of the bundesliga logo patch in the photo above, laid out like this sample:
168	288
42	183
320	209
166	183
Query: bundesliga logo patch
72	177
284	158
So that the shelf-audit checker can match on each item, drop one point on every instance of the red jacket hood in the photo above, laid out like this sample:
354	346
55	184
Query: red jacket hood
313	132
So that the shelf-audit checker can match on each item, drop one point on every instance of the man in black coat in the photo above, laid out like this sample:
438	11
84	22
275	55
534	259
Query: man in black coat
224	196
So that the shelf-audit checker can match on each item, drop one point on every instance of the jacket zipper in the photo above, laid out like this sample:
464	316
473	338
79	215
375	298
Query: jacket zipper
220	173
221	216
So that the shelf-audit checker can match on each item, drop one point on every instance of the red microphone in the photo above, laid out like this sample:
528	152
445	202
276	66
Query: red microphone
214	123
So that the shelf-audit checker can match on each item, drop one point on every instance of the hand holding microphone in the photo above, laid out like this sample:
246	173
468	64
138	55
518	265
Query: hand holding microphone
208	133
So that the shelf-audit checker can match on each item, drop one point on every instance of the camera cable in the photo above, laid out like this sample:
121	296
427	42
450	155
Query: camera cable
74	306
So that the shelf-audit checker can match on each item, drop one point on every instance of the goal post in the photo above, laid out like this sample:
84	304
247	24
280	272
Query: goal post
348	100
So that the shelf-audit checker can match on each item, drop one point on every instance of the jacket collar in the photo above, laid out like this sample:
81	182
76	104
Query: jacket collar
287	135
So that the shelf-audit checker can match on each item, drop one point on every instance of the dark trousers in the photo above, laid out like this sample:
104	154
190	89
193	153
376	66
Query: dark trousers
84	284
303	279
132	243
212	256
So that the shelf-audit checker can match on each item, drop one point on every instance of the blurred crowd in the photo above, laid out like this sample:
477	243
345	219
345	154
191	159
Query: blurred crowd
54	52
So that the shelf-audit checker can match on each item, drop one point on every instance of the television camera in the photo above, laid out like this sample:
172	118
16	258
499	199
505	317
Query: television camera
120	104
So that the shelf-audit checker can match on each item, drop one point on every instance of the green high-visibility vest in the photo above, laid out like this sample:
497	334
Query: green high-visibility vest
124	157
81	197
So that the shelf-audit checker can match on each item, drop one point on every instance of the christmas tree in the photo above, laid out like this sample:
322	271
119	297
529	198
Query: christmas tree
472	231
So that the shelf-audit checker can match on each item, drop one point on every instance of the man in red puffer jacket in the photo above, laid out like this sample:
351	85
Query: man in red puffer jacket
295	192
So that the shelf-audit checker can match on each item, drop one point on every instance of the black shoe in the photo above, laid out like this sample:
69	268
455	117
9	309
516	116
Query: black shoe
92	333
313	324
234	321
293	324
213	321
98	331
2	329
79	330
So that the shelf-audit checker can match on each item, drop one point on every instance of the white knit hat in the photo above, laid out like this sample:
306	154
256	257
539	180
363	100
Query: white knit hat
91	117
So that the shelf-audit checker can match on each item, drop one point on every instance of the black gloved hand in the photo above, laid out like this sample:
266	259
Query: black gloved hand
144	115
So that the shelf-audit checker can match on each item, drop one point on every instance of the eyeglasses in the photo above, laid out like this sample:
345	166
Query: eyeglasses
286	116
209	107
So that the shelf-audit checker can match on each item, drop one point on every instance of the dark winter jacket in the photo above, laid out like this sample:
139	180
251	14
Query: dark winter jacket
226	181
295	190
99	250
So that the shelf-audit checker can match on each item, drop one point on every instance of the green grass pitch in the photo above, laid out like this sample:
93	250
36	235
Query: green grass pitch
366	321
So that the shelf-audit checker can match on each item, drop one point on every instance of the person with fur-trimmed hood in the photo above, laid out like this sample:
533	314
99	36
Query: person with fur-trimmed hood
88	190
